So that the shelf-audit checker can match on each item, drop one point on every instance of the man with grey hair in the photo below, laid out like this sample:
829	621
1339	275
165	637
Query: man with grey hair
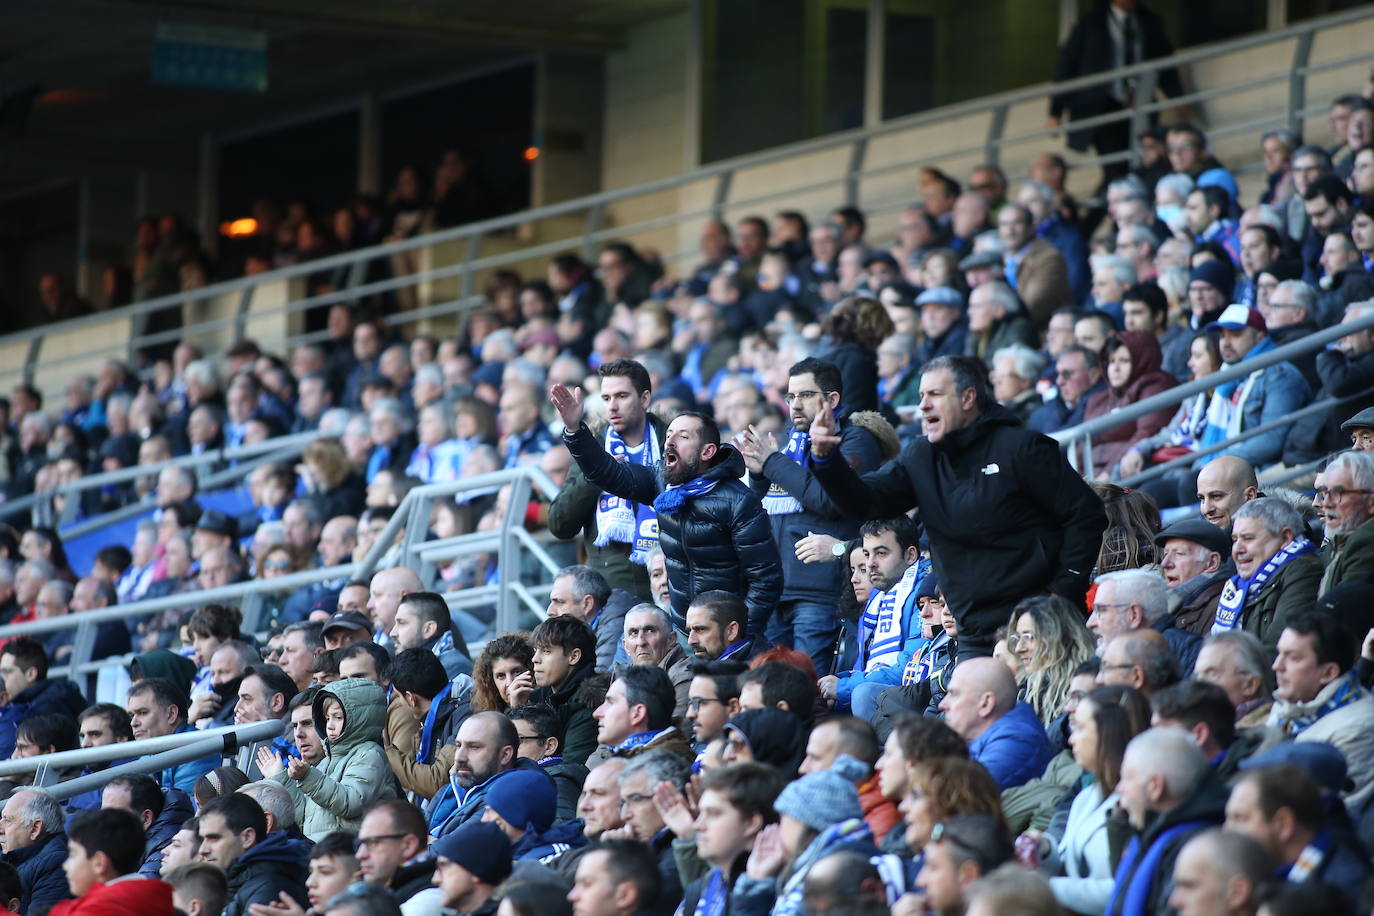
1138	599
650	639
638	780
582	592
1015	370
1278	570
1063	234
1138	245
995	321
392	440
276	804
111	637
31	834
1170	795
1345	497
175	485
1239	664
1112	276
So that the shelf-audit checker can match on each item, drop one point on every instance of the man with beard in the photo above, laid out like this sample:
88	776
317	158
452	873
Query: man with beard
799	510
1006	514
712	528
485	749
617	533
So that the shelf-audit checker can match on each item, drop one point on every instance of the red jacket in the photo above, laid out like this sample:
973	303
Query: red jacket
126	895
880	813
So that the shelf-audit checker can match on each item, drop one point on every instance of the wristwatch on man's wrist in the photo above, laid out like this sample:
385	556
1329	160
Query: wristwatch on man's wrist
838	550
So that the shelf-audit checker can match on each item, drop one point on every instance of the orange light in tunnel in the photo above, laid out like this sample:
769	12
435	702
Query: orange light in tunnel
531	153
239	228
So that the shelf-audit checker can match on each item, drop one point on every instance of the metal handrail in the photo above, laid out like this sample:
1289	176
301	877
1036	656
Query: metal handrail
1322	406
411	518
222	745
1079	438
19	766
595	205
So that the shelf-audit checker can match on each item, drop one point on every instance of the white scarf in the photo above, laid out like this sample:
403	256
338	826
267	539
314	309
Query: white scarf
880	634
618	520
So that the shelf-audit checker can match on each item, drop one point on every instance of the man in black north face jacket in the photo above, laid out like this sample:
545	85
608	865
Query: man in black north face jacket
712	528
1006	514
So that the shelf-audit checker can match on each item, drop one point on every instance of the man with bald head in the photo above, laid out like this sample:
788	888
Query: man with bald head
389	586
1219	873
1003	734
1170	795
1223	486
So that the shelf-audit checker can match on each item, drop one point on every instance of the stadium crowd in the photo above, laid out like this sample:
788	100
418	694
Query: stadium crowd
838	629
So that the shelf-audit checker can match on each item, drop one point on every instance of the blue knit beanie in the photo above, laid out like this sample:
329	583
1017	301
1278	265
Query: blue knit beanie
526	799
821	799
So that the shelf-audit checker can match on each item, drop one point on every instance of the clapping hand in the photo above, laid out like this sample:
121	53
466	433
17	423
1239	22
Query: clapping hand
768	855
268	762
282	906
678	814
568	404
296	768
824	431
755	449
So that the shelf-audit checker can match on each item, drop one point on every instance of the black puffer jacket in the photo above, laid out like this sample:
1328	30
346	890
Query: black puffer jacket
1006	515
721	540
276	864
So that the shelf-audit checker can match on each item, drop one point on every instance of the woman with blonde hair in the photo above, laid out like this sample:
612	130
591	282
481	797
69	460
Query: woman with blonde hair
1049	637
331	478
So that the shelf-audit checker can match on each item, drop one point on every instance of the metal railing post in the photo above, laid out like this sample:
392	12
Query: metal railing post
596	216
858	153
469	281
997	124
1140	119
722	193
241	313
1297	81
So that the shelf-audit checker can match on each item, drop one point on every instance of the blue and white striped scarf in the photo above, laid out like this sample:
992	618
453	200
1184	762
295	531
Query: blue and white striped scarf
621	521
880	628
778	501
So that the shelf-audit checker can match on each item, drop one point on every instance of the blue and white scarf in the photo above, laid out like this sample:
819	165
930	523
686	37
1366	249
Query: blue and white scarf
1227	409
778	501
789	900
1238	588
675	497
713	896
621	521
636	741
427	731
880	628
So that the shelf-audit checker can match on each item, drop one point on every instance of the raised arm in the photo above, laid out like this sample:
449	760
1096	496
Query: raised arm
619	478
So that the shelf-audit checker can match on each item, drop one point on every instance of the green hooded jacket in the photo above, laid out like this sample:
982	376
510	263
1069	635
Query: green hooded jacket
354	772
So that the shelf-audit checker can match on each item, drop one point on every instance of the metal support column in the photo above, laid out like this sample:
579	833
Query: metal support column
875	62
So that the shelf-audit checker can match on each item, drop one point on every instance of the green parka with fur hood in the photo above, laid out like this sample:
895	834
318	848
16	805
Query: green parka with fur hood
354	772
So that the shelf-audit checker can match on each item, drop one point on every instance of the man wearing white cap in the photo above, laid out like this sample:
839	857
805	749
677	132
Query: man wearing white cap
1264	395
